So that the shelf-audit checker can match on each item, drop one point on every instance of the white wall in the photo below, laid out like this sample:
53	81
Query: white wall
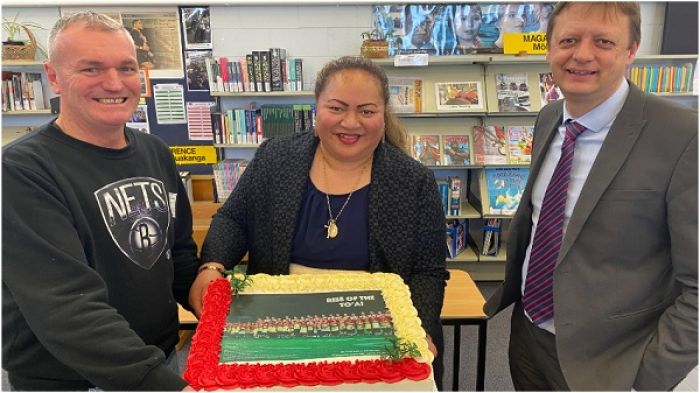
317	33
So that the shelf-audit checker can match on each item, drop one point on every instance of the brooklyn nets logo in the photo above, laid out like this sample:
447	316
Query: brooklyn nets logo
137	216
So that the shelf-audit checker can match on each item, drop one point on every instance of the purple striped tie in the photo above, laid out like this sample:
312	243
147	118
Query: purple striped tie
537	296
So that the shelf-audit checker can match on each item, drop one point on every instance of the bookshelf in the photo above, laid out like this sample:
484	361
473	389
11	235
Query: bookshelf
484	68
18	122
247	115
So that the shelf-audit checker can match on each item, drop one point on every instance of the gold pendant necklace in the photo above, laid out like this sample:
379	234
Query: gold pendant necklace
332	226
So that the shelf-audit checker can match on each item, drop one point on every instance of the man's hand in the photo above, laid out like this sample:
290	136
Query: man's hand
199	287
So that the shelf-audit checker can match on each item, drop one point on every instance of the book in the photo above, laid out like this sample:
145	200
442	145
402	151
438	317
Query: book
549	91
257	67
455	188
512	92
275	70
444	189
298	72
426	149
455	150
456	236
504	189
406	94
252	81
458	96
490	145
520	144
492	236
266	70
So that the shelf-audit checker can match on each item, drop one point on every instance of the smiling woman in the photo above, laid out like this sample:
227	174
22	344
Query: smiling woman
346	197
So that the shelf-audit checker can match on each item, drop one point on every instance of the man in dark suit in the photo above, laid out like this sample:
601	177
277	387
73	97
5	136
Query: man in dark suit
602	251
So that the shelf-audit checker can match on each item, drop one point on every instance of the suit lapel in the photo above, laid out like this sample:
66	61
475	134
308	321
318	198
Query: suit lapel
616	148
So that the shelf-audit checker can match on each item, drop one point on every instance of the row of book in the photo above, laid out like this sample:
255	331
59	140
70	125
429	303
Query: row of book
663	78
492	145
252	126
450	194
457	238
22	91
259	71
226	175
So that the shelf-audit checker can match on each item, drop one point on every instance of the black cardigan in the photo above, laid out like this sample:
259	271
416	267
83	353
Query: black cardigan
406	220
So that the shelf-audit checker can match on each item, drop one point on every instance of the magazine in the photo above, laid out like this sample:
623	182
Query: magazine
458	96
520	144
549	91
504	187
490	145
455	149
512	92
406	94
426	149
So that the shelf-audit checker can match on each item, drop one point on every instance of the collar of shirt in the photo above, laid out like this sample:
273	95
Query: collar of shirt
602	116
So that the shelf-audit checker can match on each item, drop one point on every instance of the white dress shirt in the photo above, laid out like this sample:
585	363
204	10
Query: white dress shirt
588	144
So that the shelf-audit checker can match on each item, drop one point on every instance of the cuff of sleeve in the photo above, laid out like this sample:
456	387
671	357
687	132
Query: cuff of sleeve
161	378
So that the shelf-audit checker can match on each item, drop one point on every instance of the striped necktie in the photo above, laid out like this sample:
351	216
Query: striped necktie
537	296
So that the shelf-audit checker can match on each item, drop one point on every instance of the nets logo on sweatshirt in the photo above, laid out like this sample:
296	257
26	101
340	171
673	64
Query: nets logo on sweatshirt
137	215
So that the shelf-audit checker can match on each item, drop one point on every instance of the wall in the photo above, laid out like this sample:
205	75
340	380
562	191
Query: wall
316	33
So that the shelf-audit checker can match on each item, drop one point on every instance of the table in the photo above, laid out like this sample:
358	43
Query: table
462	306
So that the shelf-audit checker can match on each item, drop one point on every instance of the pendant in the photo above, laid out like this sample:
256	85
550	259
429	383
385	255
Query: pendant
332	231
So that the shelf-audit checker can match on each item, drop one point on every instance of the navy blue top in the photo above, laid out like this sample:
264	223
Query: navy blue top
350	249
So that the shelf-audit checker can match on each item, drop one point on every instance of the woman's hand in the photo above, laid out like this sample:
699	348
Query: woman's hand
431	346
208	272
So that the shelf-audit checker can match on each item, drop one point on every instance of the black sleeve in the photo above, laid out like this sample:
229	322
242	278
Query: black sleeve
429	273
60	300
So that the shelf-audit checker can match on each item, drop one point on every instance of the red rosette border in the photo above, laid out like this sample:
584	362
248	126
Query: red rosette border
206	342
203	370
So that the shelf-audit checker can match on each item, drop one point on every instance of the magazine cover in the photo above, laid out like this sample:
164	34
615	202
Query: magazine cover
426	149
197	28
456	236
505	188
512	92
455	150
520	144
458	96
406	94
549	91
196	67
490	145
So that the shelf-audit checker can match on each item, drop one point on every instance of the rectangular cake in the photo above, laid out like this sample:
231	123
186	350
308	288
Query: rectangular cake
355	331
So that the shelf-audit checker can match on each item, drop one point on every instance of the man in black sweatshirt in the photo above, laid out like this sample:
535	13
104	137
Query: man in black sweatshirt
97	230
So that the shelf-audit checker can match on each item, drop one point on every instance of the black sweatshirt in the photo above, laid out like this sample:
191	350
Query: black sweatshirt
97	248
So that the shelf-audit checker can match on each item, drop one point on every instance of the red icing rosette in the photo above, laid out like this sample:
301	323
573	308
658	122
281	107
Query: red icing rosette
204	371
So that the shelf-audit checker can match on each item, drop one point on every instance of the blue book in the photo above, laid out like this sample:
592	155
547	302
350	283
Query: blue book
504	188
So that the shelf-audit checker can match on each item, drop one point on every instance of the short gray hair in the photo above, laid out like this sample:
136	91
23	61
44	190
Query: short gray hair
92	20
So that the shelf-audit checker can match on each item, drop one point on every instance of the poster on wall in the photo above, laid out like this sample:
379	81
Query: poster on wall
139	120
456	29
196	69
199	121
156	34
169	100
197	27
157	40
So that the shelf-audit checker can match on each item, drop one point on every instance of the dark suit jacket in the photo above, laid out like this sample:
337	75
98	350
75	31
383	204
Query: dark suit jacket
406	220
625	283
